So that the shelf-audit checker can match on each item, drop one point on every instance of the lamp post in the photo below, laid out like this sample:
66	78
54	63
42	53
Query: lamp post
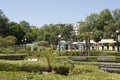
112	37
101	43
117	31
22	44
25	43
59	37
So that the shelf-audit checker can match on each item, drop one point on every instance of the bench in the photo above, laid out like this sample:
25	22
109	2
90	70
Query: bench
106	59
110	67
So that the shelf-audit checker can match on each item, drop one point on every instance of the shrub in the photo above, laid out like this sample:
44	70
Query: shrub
72	53
32	67
43	43
6	66
35	48
83	69
104	53
63	70
91	58
12	56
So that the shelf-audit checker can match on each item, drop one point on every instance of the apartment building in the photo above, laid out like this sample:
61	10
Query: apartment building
76	28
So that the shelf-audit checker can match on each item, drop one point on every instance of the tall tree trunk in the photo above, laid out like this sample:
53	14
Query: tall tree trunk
87	44
88	47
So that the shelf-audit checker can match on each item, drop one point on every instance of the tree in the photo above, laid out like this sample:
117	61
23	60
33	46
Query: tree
84	27
25	24
49	56
11	40
97	34
17	30
67	32
3	24
87	37
31	35
7	41
116	14
92	19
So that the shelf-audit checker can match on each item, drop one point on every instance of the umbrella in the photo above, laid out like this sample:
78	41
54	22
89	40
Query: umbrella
91	41
63	42
107	41
75	42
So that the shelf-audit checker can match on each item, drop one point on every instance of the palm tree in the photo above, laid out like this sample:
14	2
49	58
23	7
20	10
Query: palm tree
49	56
87	36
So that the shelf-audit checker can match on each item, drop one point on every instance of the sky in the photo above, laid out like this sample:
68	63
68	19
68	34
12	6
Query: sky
40	12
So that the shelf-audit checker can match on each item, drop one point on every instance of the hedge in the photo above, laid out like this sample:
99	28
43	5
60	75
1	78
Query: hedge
92	53
12	56
32	67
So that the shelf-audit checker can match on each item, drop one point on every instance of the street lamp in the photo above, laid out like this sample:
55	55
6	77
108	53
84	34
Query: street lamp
22	44
25	43
102	43
59	38
117	31
112	37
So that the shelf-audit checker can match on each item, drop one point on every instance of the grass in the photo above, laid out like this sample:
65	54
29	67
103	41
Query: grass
100	75
14	75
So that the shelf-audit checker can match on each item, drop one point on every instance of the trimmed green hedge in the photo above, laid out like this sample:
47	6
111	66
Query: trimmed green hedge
32	67
12	56
104	53
72	53
92	53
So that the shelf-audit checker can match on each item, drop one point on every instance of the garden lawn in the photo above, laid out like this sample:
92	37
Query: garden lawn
100	75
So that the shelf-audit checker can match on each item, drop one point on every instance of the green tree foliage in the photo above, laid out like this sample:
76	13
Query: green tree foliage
116	14
7	41
84	27
102	25
25	25
43	43
67	31
87	37
31	35
49	55
3	24
50	33
17	30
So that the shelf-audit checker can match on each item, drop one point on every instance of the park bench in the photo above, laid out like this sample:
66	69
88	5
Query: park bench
106	59
110	67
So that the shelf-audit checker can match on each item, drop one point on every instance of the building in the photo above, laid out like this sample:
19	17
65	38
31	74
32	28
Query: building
76	28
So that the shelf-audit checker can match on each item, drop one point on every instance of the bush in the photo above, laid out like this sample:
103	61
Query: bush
83	69
32	67
63	70
104	53
91	58
71	53
35	48
12	56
